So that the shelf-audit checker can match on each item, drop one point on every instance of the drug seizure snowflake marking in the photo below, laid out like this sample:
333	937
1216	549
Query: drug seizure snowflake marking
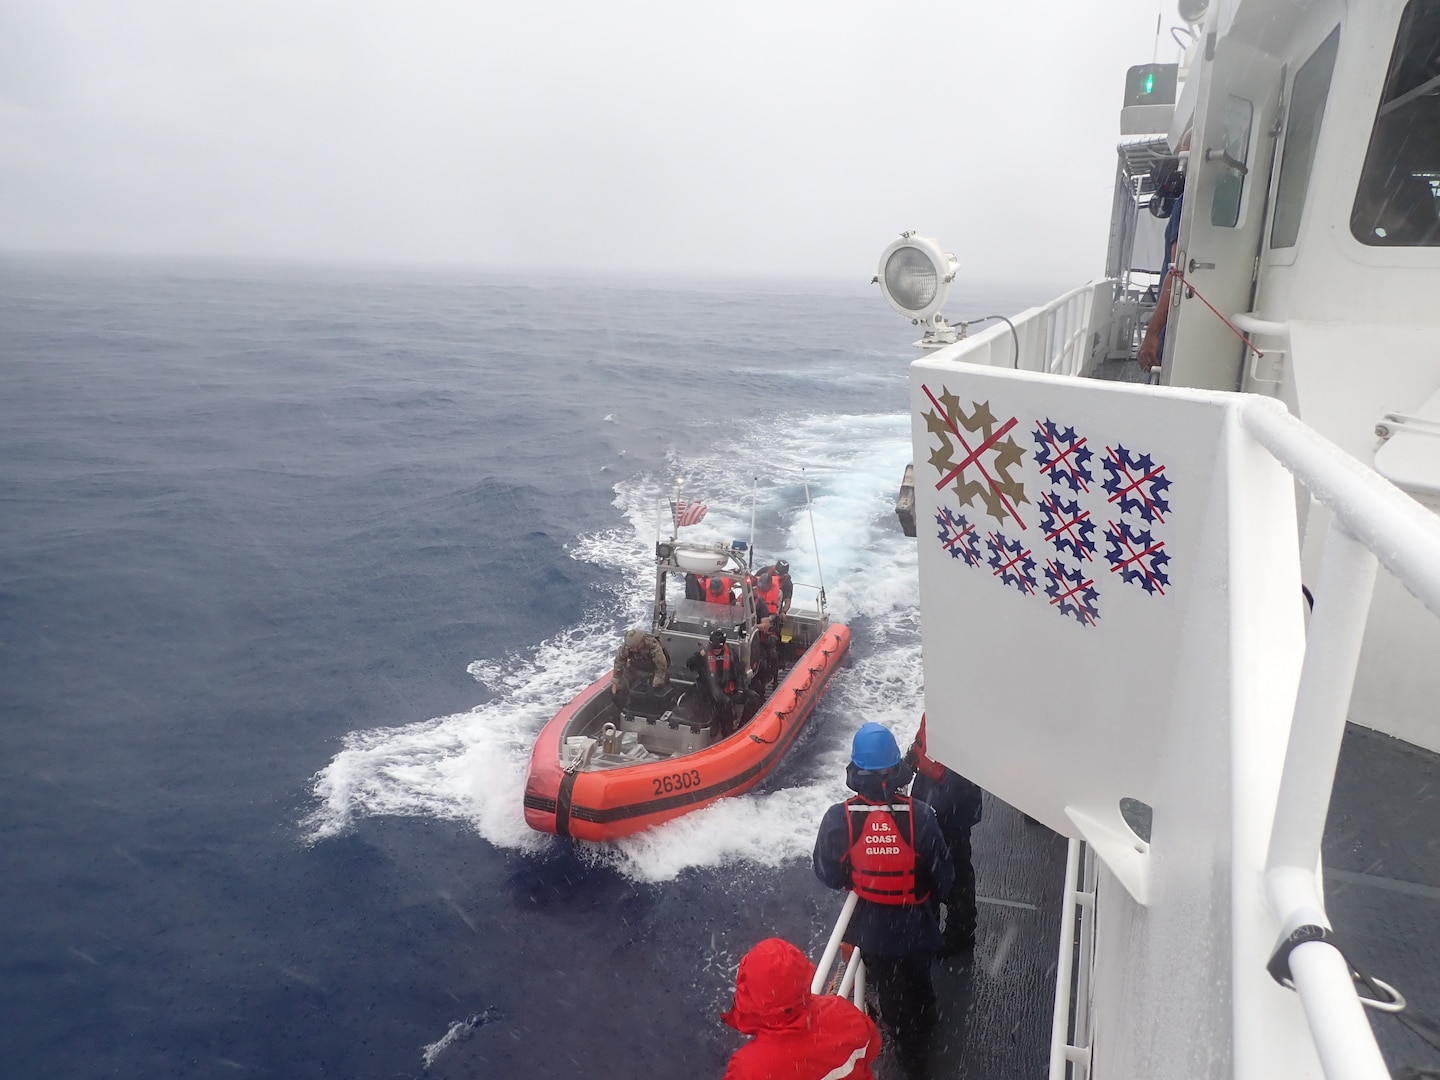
1067	526
1127	504
1127	477
1072	592
1062	455
1012	562
999	493
958	536
1138	556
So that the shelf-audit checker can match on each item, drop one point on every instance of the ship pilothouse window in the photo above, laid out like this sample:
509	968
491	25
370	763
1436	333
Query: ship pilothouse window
1399	193
1302	131
1230	184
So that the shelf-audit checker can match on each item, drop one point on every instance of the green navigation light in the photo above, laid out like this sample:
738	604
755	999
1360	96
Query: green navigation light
1148	86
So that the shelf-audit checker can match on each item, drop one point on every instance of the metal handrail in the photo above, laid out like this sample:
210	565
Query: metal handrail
1372	523
1065	964
853	981
1051	338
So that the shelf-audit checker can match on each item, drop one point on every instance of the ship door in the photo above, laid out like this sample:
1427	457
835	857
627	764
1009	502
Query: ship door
1226	187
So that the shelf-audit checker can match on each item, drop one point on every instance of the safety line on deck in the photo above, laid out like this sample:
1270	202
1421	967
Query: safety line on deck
1409	888
1011	903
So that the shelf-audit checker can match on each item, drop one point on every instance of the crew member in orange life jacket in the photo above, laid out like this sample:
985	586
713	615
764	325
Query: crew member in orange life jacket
889	849
718	589
781	573
767	592
723	680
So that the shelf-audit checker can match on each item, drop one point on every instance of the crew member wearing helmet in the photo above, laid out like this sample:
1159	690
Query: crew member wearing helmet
957	804
723	679
889	850
717	589
640	656
780	571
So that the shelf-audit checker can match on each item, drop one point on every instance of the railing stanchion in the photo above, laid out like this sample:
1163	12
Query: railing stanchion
832	947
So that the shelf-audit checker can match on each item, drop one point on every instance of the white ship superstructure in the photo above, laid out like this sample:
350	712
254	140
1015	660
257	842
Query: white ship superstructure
1117	574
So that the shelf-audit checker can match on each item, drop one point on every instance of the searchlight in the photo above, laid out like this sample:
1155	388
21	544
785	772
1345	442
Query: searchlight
915	276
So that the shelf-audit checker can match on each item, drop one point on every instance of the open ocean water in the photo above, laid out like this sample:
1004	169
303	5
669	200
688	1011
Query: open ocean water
294	564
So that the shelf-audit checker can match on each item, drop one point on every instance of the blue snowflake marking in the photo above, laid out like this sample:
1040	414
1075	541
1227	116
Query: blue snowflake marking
1066	526
1137	556
1062	455
1012	563
1072	592
958	536
1137	483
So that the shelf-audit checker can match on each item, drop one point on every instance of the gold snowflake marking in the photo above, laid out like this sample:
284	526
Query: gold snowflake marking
957	456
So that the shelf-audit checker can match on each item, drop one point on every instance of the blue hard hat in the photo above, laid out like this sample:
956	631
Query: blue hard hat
874	748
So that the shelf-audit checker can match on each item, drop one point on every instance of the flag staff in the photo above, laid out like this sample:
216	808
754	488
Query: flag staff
675	508
813	538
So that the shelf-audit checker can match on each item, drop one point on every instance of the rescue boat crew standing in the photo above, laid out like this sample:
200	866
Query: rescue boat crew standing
780	571
798	1035
889	850
723	680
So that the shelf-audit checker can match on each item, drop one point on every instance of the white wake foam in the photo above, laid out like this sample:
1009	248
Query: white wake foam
470	767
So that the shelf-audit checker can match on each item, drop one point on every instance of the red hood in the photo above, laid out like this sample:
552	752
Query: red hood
772	989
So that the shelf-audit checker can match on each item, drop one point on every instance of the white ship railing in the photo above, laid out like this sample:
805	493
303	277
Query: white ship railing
1073	966
852	982
1372	522
1055	338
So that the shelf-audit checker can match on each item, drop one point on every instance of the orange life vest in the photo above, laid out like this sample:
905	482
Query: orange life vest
882	851
718	590
770	595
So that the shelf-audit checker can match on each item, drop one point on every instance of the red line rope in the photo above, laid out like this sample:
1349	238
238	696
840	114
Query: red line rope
1233	329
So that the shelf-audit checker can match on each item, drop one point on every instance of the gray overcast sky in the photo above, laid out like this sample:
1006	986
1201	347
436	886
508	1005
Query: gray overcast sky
738	138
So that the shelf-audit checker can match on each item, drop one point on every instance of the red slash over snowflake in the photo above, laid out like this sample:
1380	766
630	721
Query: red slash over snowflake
1062	455
1138	556
1067	526
956	430
1136	482
1072	592
1012	563
958	536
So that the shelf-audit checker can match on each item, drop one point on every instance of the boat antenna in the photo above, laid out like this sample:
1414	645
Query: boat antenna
754	494
1159	17
813	538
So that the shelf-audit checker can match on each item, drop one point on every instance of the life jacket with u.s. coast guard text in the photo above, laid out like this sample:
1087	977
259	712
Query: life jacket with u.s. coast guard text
721	665
882	851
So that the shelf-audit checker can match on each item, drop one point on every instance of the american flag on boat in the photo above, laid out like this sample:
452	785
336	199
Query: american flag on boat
687	512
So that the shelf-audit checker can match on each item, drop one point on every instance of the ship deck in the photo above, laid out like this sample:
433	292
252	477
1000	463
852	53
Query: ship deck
996	1004
1382	882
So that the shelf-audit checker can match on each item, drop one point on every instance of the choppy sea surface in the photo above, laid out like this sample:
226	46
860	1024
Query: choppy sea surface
294	564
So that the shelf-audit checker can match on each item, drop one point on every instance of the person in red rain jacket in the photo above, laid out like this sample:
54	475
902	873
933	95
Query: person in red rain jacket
798	1035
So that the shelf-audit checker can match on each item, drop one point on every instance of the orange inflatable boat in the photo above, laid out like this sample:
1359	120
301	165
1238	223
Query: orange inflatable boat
607	766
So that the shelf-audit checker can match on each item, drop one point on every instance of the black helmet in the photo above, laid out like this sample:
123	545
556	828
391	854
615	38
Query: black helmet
782	566
717	637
